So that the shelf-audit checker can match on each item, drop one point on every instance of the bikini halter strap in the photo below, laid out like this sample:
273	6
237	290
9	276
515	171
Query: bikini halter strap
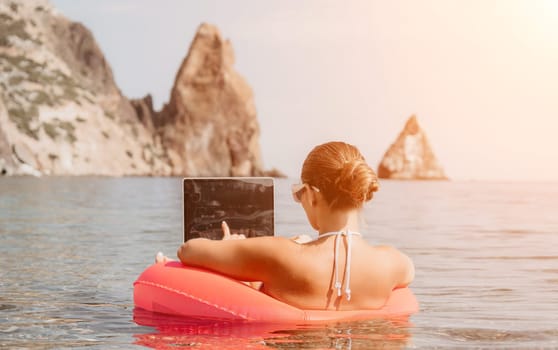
337	284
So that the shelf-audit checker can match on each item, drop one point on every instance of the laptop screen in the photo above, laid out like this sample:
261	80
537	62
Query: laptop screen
246	204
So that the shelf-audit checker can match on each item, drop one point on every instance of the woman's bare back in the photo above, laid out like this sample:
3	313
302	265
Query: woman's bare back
305	277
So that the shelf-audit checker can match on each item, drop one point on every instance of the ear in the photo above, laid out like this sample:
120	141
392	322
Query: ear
312	197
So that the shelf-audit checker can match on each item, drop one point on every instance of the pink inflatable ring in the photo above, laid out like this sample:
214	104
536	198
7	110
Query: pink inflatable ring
175	289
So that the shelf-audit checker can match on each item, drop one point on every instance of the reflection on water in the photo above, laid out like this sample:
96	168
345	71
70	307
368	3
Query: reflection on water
175	332
384	334
70	249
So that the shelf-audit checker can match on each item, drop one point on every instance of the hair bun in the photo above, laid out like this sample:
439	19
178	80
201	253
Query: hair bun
357	182
340	171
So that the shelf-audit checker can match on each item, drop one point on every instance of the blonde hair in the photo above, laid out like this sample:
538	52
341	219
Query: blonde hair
341	174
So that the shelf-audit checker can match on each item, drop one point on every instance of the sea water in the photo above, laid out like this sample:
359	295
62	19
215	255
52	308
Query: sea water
486	256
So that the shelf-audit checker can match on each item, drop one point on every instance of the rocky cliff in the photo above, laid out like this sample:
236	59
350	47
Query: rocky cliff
61	110
411	157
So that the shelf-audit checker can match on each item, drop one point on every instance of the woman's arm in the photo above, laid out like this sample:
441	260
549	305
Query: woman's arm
406	270
254	259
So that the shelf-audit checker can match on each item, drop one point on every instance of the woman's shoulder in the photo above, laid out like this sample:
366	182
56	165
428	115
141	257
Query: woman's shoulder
399	263
387	250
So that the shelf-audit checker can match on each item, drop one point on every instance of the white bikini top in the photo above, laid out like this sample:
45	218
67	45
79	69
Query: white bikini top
337	284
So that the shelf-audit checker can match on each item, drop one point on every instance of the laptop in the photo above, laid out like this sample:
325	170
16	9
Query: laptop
245	203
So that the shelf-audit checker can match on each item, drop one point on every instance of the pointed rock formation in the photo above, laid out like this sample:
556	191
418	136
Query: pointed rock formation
410	157
209	126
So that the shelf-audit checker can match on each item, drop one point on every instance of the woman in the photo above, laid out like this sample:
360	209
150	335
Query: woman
336	271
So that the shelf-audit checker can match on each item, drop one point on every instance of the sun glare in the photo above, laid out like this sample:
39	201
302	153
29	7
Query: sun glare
546	17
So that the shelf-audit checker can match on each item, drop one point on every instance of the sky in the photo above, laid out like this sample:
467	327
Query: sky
481	75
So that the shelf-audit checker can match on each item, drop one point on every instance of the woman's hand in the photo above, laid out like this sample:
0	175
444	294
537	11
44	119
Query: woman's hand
227	233
160	258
